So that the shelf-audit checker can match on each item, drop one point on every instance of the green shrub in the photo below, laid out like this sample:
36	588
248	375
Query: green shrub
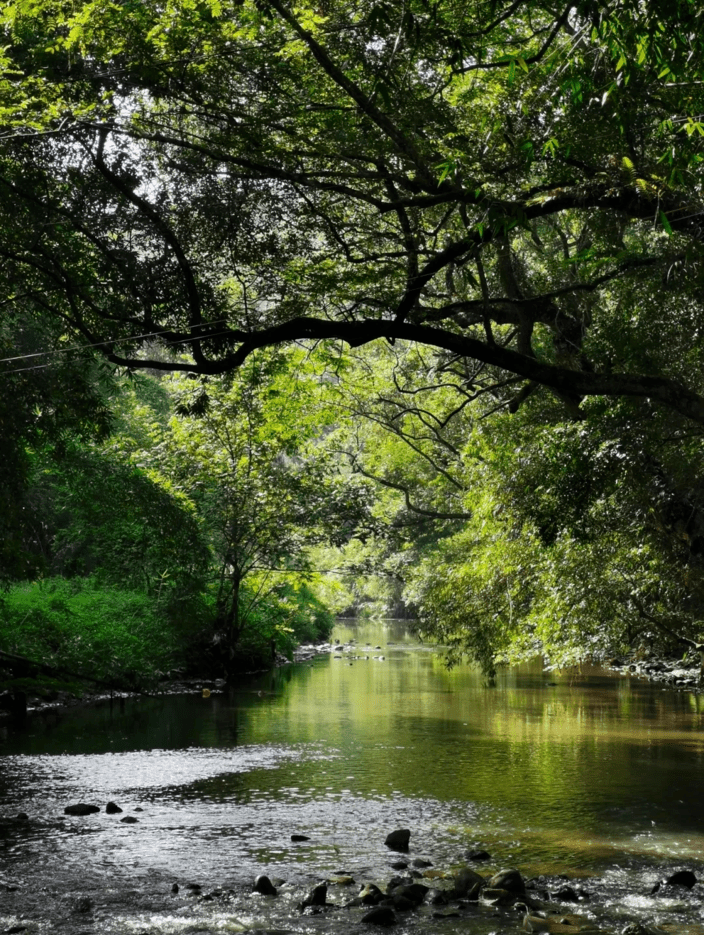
288	616
84	627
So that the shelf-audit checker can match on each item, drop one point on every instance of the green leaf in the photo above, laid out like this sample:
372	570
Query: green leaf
665	223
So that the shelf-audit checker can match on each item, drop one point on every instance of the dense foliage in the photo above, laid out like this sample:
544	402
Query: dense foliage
429	277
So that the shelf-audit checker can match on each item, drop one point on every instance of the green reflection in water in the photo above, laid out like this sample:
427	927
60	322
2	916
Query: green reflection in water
587	770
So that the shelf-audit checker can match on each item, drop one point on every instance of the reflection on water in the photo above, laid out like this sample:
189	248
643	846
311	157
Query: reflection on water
579	772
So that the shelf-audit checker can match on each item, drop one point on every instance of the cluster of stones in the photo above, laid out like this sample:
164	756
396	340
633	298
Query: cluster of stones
671	672
353	654
82	808
506	889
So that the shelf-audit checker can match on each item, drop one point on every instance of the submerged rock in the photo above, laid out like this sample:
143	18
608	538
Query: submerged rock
477	855
83	904
566	895
398	840
81	809
438	898
380	915
414	892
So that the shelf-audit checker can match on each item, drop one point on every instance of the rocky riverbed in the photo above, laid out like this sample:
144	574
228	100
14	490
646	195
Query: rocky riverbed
416	896
678	674
267	808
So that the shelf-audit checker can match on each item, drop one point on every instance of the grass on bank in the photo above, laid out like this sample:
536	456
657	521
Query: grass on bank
125	638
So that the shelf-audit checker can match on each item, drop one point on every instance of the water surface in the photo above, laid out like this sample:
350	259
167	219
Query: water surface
589	774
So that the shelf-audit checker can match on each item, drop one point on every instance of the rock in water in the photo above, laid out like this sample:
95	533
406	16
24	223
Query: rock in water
414	892
370	895
478	855
112	809
83	904
398	840
316	897
81	809
264	886
129	820
300	837
510	880
682	878
467	884
566	895
380	915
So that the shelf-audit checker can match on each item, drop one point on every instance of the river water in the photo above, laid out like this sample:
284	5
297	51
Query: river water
590	775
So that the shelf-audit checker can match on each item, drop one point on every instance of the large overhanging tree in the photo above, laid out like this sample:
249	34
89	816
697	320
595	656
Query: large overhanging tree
514	183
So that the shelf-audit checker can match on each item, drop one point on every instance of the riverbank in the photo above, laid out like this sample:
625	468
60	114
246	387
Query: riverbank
586	783
681	675
52	699
678	674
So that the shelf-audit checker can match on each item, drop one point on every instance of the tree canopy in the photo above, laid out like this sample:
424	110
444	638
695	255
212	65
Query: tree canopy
486	217
501	181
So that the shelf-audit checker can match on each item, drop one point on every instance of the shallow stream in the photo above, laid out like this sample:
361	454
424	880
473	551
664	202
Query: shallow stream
592	775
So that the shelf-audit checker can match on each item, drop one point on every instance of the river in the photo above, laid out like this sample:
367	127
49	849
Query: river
595	776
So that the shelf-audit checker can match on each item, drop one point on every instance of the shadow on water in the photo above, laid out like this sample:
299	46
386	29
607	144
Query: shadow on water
587	773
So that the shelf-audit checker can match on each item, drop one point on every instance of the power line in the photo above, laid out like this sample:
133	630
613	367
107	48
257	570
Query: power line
82	347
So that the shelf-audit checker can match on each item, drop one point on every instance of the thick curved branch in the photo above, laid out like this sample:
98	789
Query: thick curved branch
669	393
